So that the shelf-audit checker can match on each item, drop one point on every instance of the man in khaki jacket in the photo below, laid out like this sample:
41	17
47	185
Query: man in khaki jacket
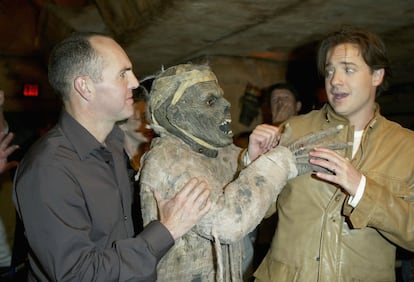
345	225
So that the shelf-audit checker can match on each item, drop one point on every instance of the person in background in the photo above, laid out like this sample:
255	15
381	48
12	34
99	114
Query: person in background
284	102
23	137
5	253
4	126
344	224
6	149
72	189
138	136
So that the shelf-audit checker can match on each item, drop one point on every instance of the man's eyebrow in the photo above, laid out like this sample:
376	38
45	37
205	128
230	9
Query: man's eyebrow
125	69
345	63
348	63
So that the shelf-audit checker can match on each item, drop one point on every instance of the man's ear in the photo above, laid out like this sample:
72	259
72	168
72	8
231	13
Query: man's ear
83	85
298	106
377	77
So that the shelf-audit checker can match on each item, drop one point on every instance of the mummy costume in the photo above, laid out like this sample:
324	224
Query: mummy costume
192	119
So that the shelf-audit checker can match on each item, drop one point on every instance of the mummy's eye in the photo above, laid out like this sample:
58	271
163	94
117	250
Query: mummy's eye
211	101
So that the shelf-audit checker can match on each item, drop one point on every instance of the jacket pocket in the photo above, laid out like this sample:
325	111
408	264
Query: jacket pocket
271	270
398	187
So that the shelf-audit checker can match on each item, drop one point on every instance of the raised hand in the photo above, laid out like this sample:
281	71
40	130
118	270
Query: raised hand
5	151
263	138
336	169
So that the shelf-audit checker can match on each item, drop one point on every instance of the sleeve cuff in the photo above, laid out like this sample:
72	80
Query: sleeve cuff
353	201
246	158
158	237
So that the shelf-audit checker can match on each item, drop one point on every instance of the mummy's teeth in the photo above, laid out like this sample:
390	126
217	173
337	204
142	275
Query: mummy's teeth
227	121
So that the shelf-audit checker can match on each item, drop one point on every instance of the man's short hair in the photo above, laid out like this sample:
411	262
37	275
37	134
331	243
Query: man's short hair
72	57
371	46
285	85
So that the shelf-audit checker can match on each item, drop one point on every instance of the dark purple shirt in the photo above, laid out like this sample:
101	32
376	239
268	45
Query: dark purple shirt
74	196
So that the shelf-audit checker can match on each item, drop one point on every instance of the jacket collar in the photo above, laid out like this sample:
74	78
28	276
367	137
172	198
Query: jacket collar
332	117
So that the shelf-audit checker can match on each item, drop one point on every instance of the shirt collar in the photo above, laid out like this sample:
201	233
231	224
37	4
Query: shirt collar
82	140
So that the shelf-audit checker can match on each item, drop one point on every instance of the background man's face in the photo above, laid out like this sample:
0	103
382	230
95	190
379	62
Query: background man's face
283	105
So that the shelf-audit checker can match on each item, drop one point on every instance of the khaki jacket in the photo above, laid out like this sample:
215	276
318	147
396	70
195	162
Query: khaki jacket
320	237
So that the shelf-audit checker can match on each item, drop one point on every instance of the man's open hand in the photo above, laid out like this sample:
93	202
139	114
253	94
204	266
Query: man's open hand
186	208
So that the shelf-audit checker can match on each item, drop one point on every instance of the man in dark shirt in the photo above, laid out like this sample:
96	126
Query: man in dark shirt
72	189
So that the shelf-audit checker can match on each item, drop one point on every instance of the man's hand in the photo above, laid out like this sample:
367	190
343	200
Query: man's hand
342	171
283	111
186	208
302	147
263	138
5	151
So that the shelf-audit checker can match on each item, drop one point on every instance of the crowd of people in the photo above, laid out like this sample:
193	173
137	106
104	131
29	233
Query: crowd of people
130	187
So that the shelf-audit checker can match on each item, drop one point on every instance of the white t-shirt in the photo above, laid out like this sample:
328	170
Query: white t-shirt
353	201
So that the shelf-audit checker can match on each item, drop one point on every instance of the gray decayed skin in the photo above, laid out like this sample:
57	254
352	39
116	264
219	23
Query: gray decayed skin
212	249
239	204
195	142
